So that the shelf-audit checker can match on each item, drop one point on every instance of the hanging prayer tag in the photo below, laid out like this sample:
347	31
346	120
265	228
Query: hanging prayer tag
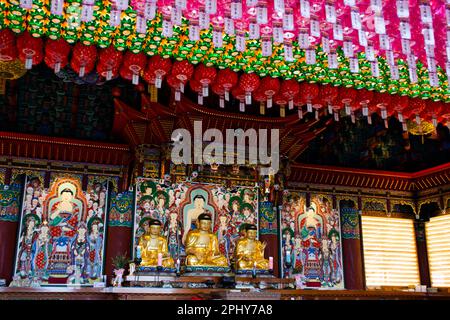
158	82
348	48
349	3
288	53
314	27
56	7
384	42
211	6
176	14
150	10
310	55
229	26
428	35
390	57
375	69
362	37
122	5
179	4
26	4
236	9
167	28
194	32
278	34
376	5
380	26
278	5
217	38
141	24
370	53
405	29
253	30
261	14
406	46
413	75
337	31
305	9
87	13
429	50
402	8
303	39
266	47
326	44
288	20
354	65
330	13
240	42
431	62
447	14
356	19
425	13
394	72
434	80
203	20
332	60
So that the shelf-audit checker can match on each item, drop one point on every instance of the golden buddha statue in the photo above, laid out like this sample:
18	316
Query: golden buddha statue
153	248
202	246
250	252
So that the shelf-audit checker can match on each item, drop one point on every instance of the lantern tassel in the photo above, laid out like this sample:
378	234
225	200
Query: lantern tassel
262	110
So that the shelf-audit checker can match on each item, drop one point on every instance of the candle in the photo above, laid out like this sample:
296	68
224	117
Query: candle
270	263
160	258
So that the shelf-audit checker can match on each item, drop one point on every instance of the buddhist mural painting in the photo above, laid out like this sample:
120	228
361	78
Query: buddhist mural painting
62	231
311	241
178	206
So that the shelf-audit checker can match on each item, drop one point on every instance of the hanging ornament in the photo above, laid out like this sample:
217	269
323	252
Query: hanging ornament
269	87
83	59
205	76
249	82
30	49
109	61
226	79
56	54
157	68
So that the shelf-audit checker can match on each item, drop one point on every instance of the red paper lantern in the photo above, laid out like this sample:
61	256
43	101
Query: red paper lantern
268	88
240	95
249	82
382	102
205	75
109	63
8	49
227	79
196	86
57	54
220	91
347	97
398	104
83	59
132	66
433	111
157	68
30	49
289	89
362	100
182	70
416	106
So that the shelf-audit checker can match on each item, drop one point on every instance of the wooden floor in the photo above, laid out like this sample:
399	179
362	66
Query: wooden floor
128	293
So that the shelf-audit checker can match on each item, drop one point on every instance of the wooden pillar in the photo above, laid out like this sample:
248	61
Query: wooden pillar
8	237
422	254
352	248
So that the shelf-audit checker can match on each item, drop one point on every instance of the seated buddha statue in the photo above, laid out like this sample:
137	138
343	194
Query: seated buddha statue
250	252
151	244
202	246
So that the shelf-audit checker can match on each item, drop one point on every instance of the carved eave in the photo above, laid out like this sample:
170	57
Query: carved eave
20	145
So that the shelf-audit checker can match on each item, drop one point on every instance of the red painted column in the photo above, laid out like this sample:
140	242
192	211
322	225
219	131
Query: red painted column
352	248
8	235
422	254
119	232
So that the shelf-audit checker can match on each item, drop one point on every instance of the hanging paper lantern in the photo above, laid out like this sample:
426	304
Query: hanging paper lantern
240	95
83	59
220	91
132	66
416	106
30	49
269	87
109	62
260	96
157	68
347	97
249	82
182	70
196	86
309	92
382	101
329	94
8	49
205	75
398	104
432	111
289	89
227	79
57	54
282	101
